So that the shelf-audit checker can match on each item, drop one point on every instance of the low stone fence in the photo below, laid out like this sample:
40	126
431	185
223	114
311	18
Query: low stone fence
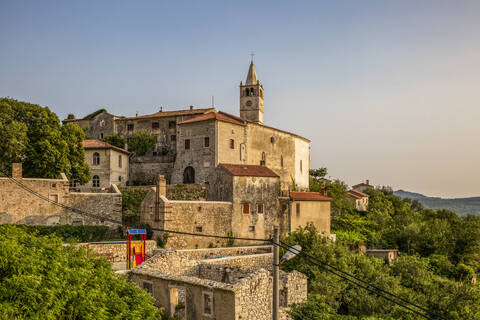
116	251
223	252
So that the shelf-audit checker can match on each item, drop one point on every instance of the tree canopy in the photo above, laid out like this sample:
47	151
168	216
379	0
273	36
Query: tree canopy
115	140
141	142
33	135
41	279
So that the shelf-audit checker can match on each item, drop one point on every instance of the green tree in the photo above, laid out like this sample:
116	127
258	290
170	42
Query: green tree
141	142
41	279
71	116
115	140
33	134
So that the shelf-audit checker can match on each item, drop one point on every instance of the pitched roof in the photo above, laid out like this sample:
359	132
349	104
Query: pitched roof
252	75
248	170
171	113
221	116
357	194
363	184
98	144
315	196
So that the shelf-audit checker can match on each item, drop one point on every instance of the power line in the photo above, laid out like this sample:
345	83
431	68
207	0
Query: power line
309	258
328	268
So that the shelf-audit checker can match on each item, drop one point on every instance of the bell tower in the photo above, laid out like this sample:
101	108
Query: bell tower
251	97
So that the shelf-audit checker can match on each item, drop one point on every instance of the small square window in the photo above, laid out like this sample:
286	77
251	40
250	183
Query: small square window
232	144
130	127
246	208
155	125
198	229
171	124
54	185
251	228
148	286
154	153
187	144
207	303
173	137
260	208
206	142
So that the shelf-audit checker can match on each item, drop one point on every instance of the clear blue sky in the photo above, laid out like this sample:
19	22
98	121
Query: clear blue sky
386	90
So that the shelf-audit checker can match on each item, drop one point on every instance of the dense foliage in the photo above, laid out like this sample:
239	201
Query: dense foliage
439	258
41	279
141	142
115	140
33	135
411	277
71	233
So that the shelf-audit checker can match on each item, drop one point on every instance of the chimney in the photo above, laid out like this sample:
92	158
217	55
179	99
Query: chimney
17	170
191	108
368	182
323	191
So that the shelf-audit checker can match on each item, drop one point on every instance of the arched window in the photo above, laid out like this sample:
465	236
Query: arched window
301	167
96	159
252	91
96	181
189	175
264	159
246	92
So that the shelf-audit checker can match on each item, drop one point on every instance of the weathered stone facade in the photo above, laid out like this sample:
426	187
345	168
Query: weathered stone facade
22	207
237	287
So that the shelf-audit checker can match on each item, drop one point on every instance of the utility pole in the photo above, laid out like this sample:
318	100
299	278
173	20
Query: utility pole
276	267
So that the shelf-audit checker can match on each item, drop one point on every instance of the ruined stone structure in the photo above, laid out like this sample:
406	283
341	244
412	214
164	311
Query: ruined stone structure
108	164
192	143
363	186
233	287
243	201
22	207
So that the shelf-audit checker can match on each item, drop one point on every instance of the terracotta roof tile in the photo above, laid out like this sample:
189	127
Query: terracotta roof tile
171	113
222	116
248	170
97	144
357	194
316	196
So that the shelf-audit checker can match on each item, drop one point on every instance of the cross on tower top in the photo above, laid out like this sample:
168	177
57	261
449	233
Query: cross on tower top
252	54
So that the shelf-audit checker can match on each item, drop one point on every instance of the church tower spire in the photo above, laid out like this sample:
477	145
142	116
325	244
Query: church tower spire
251	97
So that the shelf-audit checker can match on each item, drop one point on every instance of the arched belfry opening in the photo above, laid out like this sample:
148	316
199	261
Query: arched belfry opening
189	175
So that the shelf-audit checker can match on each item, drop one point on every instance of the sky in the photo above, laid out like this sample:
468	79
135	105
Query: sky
385	90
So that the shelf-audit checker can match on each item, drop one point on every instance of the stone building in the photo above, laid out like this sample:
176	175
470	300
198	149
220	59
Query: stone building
389	255
108	164
228	283
359	199
19	206
191	143
363	186
241	200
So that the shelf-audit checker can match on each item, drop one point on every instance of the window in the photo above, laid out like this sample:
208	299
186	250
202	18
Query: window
246	208
232	144
298	208
173	137
260	208
251	228
272	139
154	153
155	125
187	144
96	181
130	127
96	158
77	222
120	178
171	124
301	166
148	286
206	142
120	161
54	185
101	135
198	229
102	123
264	159
208	303
281	161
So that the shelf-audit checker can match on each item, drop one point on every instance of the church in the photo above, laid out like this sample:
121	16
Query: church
192	142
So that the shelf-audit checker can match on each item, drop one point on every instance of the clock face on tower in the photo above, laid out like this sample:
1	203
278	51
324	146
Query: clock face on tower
249	103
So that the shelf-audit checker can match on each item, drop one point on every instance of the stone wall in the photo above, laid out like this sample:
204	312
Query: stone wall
186	191
22	207
115	251
147	169
228	251
253	261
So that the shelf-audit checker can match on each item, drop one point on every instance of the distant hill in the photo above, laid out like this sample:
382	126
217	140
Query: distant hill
460	206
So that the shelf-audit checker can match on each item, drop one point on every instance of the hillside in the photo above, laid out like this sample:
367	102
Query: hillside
459	205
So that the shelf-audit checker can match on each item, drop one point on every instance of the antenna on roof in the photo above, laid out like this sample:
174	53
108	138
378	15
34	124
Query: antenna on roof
161	109
213	101
136	114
